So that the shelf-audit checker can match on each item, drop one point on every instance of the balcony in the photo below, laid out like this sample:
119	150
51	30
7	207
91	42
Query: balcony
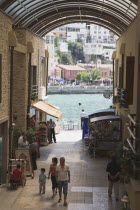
122	97
34	92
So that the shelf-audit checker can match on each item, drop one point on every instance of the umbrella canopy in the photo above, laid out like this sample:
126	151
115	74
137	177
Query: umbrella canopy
59	80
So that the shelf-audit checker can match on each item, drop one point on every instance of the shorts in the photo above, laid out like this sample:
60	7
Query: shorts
64	185
54	182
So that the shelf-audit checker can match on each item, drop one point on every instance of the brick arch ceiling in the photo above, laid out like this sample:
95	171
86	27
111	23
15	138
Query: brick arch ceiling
42	16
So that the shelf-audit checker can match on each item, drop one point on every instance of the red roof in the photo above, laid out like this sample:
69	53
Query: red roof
71	67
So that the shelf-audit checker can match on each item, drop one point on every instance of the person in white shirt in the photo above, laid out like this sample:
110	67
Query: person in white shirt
22	141
63	178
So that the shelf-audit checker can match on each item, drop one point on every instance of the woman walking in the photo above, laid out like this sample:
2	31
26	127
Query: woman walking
52	172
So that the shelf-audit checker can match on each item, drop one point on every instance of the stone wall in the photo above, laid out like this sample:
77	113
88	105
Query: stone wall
20	89
5	28
21	68
129	39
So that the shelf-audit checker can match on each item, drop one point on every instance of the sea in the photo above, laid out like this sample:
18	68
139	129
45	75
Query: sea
72	104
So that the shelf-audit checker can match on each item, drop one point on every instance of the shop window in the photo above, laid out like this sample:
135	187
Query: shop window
0	78
33	75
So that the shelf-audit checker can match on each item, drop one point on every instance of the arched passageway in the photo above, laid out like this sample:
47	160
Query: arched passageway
43	16
40	17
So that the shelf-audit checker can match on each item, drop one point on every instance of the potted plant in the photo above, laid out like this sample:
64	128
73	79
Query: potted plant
125	157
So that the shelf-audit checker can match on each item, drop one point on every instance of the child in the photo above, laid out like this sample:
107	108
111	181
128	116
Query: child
16	176
42	181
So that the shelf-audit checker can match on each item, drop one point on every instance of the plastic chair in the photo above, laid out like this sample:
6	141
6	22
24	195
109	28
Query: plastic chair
65	125
76	125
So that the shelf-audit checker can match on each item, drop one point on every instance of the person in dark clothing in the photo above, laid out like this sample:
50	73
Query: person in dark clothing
52	127
113	170
52	172
34	148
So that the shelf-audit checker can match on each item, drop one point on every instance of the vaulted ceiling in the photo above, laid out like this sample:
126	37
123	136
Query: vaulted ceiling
42	16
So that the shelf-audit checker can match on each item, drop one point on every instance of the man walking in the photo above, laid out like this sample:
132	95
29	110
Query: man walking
113	170
63	178
52	130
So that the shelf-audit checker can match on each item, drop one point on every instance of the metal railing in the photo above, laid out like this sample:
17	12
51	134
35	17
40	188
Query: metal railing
132	129
34	90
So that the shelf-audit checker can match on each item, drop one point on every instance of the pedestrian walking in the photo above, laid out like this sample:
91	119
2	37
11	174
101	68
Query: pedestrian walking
63	178
34	153
113	170
52	172
42	181
52	126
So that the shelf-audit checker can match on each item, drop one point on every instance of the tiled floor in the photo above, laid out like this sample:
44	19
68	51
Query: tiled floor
88	187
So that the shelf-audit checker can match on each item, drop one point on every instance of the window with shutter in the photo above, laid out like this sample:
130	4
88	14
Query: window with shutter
130	63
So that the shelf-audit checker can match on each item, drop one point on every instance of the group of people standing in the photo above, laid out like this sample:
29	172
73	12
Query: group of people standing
23	143
60	177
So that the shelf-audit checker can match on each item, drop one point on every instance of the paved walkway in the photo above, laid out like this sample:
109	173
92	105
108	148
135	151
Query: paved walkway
88	187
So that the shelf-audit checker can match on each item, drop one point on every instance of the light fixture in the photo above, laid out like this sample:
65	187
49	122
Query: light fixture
13	125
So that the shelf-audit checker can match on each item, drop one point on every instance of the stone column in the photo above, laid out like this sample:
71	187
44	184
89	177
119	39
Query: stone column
12	44
137	75
30	50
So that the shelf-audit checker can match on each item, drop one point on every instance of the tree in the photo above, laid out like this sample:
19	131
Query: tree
84	76
79	40
56	42
78	76
76	51
95	74
98	77
66	58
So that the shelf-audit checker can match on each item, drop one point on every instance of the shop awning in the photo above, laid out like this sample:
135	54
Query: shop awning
48	109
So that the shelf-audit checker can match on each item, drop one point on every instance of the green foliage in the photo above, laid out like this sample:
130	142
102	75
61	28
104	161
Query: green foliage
111	77
34	97
93	57
95	74
98	77
84	76
76	49
66	58
30	134
56	42
79	40
125	156
16	134
78	76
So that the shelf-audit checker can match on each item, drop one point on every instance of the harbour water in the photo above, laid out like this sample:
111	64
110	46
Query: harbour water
69	104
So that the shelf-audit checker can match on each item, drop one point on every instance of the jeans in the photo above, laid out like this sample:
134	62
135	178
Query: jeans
53	134
64	185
